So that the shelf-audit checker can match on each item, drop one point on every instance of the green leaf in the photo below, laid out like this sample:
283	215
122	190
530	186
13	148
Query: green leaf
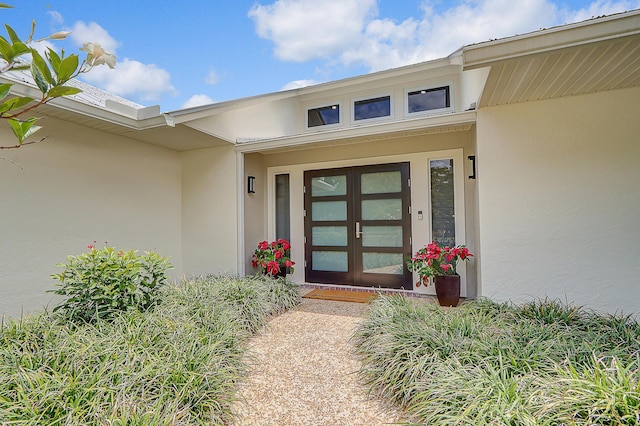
5	50
19	48
12	34
54	60
23	129
67	68
4	90
5	6
15	103
22	67
58	91
39	79
39	62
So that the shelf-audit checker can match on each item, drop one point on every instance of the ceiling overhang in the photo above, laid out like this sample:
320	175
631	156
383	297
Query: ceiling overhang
588	57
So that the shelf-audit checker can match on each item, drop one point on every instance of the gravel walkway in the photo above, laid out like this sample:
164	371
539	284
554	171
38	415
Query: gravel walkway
304	373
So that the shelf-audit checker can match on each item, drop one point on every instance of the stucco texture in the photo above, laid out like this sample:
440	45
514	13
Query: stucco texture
68	191
559	200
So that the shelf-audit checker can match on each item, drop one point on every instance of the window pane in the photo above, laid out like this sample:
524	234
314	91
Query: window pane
382	236
381	183
372	108
382	263
325	186
442	202
427	100
334	261
390	209
329	236
323	116
282	207
329	210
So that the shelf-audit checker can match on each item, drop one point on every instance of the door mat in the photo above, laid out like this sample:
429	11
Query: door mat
341	295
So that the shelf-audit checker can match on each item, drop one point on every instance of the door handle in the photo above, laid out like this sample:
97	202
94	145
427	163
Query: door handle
358	233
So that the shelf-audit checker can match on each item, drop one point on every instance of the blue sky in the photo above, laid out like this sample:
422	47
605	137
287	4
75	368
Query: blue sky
180	54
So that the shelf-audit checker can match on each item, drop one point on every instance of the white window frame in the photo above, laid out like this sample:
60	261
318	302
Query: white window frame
326	126
450	108
374	119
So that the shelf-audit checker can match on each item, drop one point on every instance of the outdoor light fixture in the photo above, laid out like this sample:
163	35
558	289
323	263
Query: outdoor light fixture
251	184
472	159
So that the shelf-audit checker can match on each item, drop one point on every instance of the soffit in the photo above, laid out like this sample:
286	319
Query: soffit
600	66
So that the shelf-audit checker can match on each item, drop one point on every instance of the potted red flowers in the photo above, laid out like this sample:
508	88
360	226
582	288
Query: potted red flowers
274	258
440	262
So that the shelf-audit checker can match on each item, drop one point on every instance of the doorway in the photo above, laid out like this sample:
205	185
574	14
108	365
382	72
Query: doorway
358	226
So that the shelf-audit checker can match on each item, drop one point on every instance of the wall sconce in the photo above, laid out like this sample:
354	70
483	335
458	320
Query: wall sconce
472	159
251	185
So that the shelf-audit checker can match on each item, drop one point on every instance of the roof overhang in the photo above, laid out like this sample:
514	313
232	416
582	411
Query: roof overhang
455	122
147	125
586	57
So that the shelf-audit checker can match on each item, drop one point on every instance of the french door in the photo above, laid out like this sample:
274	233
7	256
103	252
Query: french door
358	226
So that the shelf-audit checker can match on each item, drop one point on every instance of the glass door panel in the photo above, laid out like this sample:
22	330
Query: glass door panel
382	236
382	263
331	261
381	182
329	210
329	236
385	209
443	219
357	226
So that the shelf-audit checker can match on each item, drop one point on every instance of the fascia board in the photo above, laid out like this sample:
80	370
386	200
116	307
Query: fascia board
81	108
467	117
591	31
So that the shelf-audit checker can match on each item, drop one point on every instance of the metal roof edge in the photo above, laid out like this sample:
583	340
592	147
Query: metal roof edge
113	112
562	36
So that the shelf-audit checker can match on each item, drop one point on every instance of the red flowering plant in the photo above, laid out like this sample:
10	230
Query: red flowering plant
434	260
273	258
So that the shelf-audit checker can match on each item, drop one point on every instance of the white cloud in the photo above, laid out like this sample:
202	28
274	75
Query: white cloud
599	8
212	77
308	29
351	32
84	33
130	79
197	100
56	17
133	79
296	84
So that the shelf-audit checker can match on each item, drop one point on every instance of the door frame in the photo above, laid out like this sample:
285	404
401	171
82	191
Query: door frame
420	229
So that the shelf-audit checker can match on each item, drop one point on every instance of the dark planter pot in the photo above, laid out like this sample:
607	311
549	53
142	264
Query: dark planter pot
447	289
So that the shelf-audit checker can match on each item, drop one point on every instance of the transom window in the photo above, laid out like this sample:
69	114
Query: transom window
428	99
372	108
323	116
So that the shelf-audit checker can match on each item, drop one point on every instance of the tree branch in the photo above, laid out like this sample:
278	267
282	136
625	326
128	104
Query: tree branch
23	144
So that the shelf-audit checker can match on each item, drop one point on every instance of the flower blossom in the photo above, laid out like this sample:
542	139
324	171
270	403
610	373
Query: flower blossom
96	55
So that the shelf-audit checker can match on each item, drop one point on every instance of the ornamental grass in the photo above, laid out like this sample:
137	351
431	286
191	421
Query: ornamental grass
483	363
175	364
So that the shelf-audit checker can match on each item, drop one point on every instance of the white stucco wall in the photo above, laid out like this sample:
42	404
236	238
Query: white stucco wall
559	200
210	213
72	190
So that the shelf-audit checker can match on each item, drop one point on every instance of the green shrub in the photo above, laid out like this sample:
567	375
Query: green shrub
483	363
101	282
176	364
